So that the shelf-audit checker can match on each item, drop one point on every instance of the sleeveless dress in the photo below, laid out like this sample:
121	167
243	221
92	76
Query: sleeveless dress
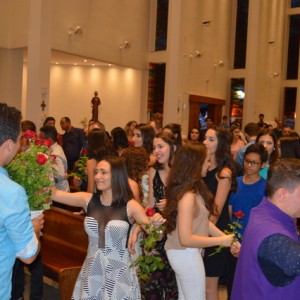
106	273
215	265
162	284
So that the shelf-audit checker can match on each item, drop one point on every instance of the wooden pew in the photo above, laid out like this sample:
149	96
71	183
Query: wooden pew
64	247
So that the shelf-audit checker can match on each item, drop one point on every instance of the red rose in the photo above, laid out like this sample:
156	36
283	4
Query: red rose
47	143
39	142
150	212
239	214
29	135
41	158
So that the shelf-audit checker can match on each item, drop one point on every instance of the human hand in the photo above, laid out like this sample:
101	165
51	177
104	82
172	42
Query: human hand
161	204
77	182
235	249
157	220
38	224
227	240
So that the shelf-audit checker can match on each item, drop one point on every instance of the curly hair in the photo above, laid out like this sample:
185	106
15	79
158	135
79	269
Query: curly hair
189	160
136	160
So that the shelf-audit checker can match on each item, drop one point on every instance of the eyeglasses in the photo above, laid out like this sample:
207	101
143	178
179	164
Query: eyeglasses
251	162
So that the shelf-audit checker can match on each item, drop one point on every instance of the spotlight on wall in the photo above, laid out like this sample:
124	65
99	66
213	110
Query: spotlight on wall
125	45
206	23
195	53
75	30
219	63
274	75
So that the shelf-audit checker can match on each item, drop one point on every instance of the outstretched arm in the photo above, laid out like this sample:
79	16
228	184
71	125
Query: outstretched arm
79	199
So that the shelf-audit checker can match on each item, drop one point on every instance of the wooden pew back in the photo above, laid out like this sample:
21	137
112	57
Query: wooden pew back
64	244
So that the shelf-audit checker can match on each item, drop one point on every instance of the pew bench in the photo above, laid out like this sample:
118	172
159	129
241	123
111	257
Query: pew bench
64	247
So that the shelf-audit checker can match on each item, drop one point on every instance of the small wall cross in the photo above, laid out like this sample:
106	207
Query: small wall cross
43	105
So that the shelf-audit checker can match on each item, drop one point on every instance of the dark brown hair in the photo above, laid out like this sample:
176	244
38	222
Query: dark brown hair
121	191
186	176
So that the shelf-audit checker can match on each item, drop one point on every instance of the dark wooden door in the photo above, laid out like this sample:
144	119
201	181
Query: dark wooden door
214	109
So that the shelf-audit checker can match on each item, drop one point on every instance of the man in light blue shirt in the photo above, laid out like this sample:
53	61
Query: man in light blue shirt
18	235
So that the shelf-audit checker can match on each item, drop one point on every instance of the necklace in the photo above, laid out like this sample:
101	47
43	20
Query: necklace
104	204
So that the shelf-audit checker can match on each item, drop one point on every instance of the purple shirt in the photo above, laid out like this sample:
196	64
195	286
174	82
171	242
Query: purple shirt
250	281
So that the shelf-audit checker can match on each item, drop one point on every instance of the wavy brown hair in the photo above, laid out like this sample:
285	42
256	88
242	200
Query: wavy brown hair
186	176
136	160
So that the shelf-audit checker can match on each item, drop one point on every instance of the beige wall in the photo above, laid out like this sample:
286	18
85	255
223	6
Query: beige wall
106	24
72	88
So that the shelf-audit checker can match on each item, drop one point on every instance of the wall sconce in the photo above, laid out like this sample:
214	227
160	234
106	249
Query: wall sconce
206	23
124	45
219	63
274	75
75	30
194	54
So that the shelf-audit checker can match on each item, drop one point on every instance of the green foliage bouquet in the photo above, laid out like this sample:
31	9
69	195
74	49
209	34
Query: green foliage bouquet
80	171
33	171
149	261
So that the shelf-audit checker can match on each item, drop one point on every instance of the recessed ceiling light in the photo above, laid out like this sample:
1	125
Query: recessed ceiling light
75	64
93	65
56	63
109	65
85	60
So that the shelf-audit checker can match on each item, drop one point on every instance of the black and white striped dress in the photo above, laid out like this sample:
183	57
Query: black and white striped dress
106	272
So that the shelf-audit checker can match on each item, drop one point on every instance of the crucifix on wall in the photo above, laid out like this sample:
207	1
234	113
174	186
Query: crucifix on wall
44	95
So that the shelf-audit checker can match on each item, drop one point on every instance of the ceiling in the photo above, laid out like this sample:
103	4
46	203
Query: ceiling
62	58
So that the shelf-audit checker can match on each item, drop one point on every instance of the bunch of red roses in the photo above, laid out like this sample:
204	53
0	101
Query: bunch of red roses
32	169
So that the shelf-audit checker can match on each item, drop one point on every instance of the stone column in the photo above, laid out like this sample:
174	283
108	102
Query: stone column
35	103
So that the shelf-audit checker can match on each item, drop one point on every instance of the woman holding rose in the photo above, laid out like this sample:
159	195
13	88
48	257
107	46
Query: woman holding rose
106	272
188	227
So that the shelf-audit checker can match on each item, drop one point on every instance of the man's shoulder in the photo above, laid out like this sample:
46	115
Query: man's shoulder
77	129
7	185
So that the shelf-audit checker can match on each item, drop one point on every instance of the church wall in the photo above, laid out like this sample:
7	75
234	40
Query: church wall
72	88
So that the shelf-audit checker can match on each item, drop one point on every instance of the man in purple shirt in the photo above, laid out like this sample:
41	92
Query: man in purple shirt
269	262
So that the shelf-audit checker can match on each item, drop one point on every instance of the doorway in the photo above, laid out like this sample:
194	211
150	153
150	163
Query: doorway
201	107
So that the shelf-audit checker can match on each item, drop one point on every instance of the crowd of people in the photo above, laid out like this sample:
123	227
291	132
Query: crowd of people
197	186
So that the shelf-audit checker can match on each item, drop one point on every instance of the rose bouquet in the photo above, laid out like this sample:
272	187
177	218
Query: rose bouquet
33	171
234	228
149	261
